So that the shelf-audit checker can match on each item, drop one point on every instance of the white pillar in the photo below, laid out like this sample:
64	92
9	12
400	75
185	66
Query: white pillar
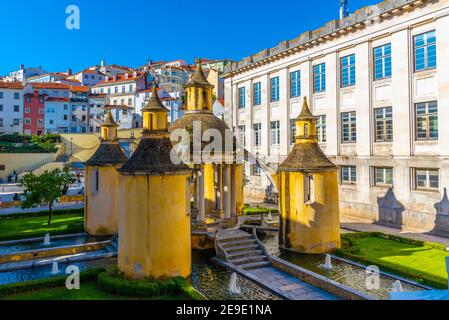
227	189
233	198
201	207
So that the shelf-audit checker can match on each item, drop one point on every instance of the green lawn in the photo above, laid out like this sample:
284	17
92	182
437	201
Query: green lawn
423	262
37	226
258	210
88	291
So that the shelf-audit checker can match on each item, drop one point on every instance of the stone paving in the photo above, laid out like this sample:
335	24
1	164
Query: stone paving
289	286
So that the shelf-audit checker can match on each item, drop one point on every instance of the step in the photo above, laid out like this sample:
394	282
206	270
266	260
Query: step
232	238
242	254
237	243
248	259
246	247
255	265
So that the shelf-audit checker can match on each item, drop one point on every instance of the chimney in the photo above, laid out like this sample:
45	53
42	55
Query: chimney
102	63
69	72
22	67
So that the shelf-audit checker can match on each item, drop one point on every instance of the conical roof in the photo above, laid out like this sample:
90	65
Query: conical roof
305	112
198	78
109	120
154	103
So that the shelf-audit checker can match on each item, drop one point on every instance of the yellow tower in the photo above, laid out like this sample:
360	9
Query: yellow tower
102	179
218	176
308	193
154	217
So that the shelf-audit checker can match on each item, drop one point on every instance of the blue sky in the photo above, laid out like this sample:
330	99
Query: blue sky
131	32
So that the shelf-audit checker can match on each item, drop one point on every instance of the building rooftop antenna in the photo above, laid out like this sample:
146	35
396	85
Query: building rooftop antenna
344	9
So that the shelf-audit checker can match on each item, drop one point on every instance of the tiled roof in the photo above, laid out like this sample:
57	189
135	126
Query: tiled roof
49	85
11	85
79	89
119	79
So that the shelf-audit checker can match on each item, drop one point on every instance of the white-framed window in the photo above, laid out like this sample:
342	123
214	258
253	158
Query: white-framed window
426	179
257	128
292	131
256	170
347	65
95	181
384	124
382	62
349	129
321	129
348	174
319	78
242	135
426	121
242	98
275	133
27	121
383	176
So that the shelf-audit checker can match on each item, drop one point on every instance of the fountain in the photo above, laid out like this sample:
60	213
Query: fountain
327	262
55	268
47	240
397	287
233	286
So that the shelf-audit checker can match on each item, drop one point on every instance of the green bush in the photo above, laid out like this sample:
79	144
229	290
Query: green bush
258	210
115	282
34	285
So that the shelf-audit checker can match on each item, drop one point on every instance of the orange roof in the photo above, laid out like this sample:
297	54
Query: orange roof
120	78
49	85
79	88
11	85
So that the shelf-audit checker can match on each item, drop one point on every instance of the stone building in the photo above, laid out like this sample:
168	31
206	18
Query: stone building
377	83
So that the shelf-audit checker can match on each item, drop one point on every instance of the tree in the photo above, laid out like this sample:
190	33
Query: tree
45	188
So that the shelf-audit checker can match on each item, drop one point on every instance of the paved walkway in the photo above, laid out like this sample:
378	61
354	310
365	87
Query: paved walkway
362	225
289	286
57	206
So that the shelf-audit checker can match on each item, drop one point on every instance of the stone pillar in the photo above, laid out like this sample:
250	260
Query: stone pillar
201	203
227	191
233	189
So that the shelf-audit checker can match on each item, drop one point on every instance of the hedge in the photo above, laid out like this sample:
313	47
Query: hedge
349	250
113	281
41	213
258	210
40	284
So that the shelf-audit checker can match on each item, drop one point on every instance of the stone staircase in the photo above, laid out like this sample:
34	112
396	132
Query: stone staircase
113	246
241	249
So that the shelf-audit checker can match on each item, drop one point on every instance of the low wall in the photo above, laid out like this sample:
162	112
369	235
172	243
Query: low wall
319	281
422	221
202	242
52	252
17	161
74	198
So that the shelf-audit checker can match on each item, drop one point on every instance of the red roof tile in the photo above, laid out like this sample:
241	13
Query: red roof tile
11	85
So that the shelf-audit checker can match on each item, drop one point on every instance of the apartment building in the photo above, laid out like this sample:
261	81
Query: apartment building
377	82
34	113
11	107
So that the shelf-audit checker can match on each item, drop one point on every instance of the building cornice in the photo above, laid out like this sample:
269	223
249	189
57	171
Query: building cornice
332	30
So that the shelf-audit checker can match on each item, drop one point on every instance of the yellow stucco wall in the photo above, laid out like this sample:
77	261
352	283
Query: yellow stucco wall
17	161
209	188
239	198
154	227
101	209
309	227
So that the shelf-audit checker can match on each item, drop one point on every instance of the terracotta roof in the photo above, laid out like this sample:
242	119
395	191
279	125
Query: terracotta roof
49	85
79	88
11	85
120	78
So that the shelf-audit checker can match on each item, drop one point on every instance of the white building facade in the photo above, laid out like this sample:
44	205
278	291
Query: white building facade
11	107
378	83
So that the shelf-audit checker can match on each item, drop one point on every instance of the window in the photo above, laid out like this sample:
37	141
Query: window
321	129
130	102
41	111
1	122
27	121
131	88
66	117
41	100
40	122
73	107
382	62
16	109
1	95
425	51
95	181
51	122
28	99
349	130
256	170
293	131
16	95
1	107
115	89
348	174
16	122
383	176
295	84
257	92
309	188
242	135
257	128
275	89
427	179
347	71
66	107
275	133
427	121
319	78
384	124
83	108
123	89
